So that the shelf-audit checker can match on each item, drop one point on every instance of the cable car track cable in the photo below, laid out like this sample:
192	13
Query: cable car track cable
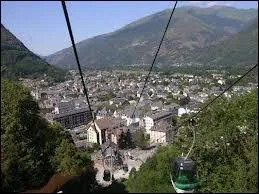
151	67
212	101
75	52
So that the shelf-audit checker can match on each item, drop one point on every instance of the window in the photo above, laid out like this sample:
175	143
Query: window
186	176
175	170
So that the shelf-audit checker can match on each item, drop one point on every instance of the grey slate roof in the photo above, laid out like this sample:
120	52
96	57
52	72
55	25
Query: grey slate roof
161	126
129	110
70	112
161	114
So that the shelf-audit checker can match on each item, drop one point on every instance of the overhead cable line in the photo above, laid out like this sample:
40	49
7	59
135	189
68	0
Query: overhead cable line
146	80
75	52
212	101
203	108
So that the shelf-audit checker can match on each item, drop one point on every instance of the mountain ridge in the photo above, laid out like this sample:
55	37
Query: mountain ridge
240	49
135	43
18	61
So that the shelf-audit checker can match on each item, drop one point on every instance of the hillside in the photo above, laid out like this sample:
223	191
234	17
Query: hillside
226	151
17	60
192	29
241	49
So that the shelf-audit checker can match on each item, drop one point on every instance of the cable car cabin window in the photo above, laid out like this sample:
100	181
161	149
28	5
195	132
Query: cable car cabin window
175	170
186	176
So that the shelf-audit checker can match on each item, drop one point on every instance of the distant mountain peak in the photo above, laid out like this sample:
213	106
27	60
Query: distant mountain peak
191	29
221	6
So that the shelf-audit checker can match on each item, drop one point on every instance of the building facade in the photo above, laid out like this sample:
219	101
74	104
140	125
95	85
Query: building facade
150	121
162	132
73	119
71	114
102	130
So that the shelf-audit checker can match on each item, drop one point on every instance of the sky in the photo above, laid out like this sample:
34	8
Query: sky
41	25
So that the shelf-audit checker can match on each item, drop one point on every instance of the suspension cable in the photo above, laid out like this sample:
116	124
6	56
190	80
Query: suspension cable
193	141
212	101
151	67
75	52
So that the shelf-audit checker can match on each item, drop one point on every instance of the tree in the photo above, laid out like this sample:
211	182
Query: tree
225	150
125	140
184	101
69	161
33	148
141	140
23	134
132	172
107	96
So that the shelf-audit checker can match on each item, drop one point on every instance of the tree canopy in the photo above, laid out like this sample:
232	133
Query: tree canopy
141	140
225	150
33	149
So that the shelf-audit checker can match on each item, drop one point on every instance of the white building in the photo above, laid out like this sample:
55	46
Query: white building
182	111
126	114
103	129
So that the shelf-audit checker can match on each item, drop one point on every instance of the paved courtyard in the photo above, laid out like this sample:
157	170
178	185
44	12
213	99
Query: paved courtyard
133	158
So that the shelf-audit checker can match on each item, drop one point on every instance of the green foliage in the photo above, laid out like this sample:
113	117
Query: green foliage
18	61
86	183
106	97
23	134
33	149
153	176
125	140
68	160
242	49
94	147
227	164
132	172
141	140
184	101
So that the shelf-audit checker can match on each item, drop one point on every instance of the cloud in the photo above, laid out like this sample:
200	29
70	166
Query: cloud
209	3
212	3
195	2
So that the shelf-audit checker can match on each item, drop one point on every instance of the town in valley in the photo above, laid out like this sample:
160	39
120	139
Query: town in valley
113	96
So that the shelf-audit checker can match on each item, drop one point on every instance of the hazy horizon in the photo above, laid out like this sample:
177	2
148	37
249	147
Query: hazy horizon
42	28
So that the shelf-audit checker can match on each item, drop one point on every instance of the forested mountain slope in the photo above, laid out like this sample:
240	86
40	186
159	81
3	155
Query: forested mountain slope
241	49
17	60
191	29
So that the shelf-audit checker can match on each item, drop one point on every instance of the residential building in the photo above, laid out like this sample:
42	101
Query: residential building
150	121
162	132
105	129
70	114
126	114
